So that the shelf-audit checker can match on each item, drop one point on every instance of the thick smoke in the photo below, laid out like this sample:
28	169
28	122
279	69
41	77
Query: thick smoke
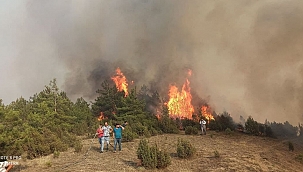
246	56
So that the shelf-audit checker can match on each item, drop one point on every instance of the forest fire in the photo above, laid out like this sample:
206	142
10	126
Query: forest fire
120	81
101	117
179	104
206	112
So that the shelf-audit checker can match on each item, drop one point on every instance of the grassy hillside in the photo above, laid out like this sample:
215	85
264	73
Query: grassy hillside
236	152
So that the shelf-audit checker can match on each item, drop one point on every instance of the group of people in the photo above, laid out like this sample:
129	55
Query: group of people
103	133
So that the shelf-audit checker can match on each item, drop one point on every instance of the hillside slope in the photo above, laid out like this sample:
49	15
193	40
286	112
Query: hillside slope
238	152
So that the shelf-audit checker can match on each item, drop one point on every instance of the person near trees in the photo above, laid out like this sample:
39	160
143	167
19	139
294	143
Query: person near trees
99	133
5	166
107	129
124	124
203	126
117	135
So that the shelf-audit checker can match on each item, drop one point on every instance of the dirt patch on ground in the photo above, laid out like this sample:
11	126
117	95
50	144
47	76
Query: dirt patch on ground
237	152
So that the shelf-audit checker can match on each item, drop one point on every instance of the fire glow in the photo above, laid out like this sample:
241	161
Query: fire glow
179	104
120	81
206	112
101	117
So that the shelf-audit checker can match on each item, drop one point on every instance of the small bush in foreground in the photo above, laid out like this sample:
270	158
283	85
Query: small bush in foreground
185	149
152	157
217	154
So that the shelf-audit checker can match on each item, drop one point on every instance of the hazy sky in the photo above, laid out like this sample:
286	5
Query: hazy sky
246	56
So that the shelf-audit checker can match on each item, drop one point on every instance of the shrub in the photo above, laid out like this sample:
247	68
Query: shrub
222	122
216	154
168	125
195	130
191	130
128	135
163	159
153	131
252	126
290	146
78	146
299	158
142	149
56	154
185	149
188	130
152	157
48	164
228	131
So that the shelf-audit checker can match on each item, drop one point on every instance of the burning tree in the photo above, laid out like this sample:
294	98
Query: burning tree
120	81
179	104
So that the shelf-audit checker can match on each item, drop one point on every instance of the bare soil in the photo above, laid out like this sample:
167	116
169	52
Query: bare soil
237	152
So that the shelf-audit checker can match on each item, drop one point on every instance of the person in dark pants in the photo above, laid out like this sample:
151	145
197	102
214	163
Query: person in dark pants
117	135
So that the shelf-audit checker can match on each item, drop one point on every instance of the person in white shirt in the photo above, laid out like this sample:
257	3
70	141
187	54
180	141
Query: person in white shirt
107	129
5	166
203	126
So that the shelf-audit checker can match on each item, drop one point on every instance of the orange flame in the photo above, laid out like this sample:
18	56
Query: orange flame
101	117
120	81
206	112
179	104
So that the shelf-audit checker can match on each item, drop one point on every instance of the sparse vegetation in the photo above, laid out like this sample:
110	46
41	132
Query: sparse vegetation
185	149
56	154
216	154
291	146
152	157
78	146
299	158
228	131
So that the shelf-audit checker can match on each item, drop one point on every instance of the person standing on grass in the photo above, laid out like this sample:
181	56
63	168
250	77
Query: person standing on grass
99	133
117	135
5	166
107	129
203	126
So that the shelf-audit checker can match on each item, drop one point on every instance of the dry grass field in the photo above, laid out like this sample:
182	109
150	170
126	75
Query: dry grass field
236	152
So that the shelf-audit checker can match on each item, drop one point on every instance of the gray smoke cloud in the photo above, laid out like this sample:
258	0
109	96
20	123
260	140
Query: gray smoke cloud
246	56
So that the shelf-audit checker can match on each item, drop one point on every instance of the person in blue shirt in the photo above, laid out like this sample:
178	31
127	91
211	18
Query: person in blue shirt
117	135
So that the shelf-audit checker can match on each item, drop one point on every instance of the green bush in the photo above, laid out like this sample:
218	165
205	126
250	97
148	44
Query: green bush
128	135
252	126
228	131
195	130
78	146
152	157
168	125
56	154
188	130
216	154
222	122
299	158
153	131
185	149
